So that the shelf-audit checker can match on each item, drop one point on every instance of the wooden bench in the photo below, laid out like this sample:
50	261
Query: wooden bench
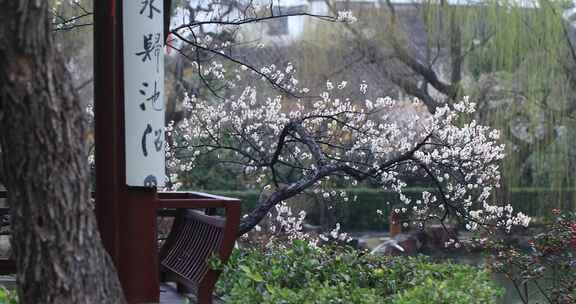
195	238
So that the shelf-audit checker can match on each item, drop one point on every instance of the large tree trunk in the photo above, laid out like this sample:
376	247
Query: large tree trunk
59	255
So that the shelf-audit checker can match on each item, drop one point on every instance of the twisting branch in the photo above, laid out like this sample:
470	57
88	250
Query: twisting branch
239	62
74	22
281	194
250	20
64	22
312	145
422	69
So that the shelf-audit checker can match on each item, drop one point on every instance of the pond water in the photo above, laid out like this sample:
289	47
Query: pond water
510	296
371	239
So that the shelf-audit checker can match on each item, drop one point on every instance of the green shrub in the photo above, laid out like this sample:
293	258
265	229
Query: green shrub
302	273
7	296
463	287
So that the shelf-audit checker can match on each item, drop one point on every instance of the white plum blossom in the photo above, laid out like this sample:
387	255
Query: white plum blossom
346	16
335	235
285	223
298	145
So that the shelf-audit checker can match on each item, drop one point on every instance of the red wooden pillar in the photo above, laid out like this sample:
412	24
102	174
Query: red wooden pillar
139	269
126	215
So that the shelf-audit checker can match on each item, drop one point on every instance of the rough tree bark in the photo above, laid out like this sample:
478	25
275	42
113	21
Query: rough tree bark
58	251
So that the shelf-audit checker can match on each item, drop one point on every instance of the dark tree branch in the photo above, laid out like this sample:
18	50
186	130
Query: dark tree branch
251	20
239	62
422	69
266	203
85	83
308	140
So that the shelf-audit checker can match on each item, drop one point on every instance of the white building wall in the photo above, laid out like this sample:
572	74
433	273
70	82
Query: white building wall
319	7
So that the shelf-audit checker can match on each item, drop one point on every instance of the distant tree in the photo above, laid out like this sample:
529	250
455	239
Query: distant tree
58	251
516	59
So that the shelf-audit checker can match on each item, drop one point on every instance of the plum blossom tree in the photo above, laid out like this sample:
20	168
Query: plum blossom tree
290	147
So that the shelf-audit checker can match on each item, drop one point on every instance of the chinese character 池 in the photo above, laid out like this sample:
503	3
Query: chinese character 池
154	98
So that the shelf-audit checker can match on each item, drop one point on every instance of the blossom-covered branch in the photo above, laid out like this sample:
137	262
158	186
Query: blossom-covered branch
293	146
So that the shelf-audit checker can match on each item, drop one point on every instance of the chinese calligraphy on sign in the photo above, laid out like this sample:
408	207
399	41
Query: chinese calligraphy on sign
148	8
154	98
152	46
144	92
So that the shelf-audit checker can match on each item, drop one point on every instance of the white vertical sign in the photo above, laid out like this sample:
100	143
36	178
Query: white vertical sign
144	92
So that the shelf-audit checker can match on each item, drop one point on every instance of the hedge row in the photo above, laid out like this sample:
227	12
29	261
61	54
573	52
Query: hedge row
300	273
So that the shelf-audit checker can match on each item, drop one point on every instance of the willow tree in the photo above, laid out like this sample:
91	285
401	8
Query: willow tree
515	58
521	58
57	247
